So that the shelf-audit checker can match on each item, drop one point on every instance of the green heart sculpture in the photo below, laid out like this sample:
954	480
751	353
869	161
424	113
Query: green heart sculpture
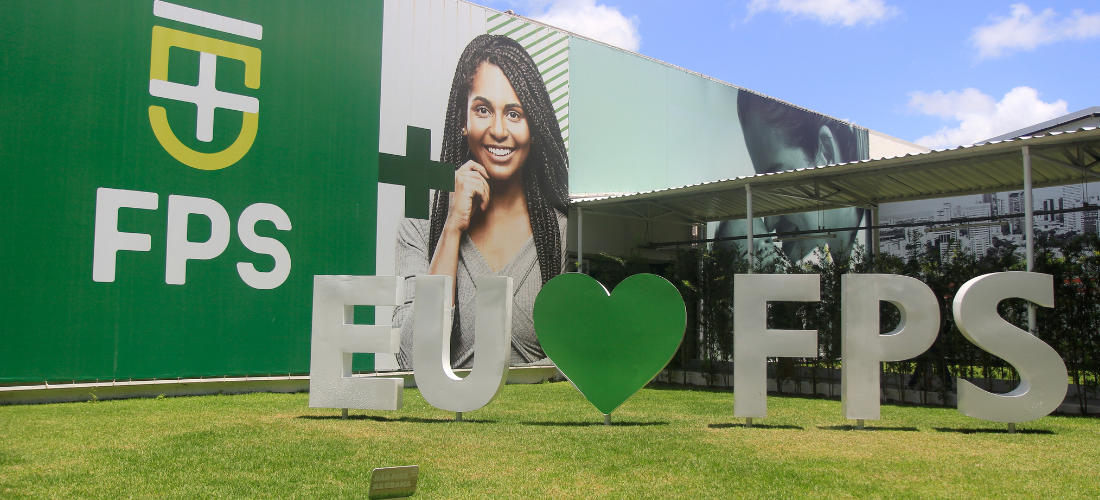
609	346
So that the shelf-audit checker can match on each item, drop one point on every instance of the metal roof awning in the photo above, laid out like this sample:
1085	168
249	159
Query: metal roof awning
1058	158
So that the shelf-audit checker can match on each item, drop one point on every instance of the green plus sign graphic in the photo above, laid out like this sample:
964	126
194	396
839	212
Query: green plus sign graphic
417	172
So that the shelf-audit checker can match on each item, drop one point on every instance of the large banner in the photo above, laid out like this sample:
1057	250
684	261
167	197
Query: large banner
472	89
174	175
781	137
642	125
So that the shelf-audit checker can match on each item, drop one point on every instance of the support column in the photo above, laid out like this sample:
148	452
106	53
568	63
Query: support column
1029	232
874	232
749	243
580	240
865	221
700	329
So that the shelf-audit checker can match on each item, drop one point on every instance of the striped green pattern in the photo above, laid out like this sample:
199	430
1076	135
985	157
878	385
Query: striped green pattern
550	50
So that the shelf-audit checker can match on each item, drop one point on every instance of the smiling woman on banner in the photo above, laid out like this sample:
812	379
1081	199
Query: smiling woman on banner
507	215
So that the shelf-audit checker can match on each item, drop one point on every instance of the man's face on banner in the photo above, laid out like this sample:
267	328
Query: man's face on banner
772	150
496	127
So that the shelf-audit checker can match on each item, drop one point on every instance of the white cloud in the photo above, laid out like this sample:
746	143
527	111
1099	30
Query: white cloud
843	12
979	117
1024	30
598	22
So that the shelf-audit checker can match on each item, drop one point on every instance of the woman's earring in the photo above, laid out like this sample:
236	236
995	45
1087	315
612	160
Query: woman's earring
463	131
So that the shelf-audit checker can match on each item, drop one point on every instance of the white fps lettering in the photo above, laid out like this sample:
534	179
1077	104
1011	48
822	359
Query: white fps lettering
1042	386
1043	379
178	249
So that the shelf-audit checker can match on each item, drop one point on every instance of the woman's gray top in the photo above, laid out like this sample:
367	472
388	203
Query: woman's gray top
412	260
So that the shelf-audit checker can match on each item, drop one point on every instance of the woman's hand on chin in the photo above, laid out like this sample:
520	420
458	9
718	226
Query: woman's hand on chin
471	189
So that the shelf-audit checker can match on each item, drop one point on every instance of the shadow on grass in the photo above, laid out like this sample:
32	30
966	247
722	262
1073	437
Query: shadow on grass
676	386
665	386
755	426
994	431
849	427
10	458
586	424
416	420
1091	414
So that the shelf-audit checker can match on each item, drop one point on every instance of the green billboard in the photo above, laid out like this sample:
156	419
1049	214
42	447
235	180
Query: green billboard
174	175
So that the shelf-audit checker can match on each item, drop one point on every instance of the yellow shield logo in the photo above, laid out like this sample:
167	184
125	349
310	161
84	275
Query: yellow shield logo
204	95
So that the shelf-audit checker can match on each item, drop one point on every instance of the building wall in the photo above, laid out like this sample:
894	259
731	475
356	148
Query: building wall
640	125
885	146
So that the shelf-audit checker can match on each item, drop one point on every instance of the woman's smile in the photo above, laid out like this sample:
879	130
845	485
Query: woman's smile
501	153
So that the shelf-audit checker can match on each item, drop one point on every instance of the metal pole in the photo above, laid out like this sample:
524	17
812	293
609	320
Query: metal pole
606	419
867	232
1029	232
748	225
580	240
874	232
700	329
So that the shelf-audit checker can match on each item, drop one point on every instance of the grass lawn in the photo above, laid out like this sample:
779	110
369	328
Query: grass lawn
535	441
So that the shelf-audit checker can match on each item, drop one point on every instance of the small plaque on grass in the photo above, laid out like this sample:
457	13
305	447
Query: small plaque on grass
393	482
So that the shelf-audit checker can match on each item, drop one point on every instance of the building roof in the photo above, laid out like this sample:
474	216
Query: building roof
1058	158
1048	125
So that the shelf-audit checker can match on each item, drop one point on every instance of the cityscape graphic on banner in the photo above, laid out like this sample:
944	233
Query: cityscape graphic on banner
985	221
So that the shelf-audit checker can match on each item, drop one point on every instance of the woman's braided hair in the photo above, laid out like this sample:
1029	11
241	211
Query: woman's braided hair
546	171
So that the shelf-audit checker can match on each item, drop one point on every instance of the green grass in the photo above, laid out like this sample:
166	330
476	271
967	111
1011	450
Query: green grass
535	441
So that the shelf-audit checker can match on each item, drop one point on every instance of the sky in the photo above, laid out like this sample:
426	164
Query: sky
938	73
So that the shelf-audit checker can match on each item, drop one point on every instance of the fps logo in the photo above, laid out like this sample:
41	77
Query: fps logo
178	249
204	95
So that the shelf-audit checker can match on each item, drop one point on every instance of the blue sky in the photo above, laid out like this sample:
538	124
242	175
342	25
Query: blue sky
935	72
